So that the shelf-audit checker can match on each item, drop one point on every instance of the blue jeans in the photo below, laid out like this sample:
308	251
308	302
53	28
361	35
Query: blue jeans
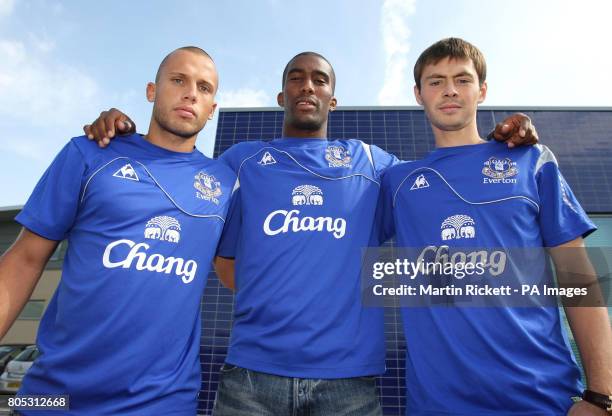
245	392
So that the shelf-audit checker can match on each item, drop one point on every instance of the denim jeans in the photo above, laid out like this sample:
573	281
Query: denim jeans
245	392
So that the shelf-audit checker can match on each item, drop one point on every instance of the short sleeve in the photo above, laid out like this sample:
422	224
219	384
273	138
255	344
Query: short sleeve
562	219
231	230
384	223
382	160
232	157
52	207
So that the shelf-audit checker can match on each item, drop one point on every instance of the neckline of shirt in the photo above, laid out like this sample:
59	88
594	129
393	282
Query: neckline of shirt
465	148
300	142
140	141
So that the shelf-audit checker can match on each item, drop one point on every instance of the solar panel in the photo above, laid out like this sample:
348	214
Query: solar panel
581	140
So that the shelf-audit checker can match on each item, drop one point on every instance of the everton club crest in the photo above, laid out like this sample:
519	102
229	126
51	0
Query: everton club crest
208	188
337	156
499	170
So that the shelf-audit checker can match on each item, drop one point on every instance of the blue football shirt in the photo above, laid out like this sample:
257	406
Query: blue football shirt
496	360
121	334
303	212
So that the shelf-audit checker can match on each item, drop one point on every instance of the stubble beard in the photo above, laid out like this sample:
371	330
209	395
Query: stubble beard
438	121
166	125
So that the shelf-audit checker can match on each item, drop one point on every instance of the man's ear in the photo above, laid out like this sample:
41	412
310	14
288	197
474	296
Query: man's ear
150	92
333	103
483	92
280	99
417	95
212	111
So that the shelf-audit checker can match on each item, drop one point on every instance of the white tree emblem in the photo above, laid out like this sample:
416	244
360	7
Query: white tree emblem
307	195
458	226
163	228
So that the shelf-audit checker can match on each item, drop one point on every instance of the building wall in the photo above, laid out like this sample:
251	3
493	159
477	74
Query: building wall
581	140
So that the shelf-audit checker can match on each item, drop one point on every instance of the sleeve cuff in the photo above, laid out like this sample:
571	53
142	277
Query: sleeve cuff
37	227
563	237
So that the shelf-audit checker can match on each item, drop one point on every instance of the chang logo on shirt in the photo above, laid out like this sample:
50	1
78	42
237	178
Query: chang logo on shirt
457	227
493	261
284	221
128	254
499	170
337	156
208	188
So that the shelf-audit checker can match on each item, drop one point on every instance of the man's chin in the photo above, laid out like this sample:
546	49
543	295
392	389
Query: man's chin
307	124
184	132
450	126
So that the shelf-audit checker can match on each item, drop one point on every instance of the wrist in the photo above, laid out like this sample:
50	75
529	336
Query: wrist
603	400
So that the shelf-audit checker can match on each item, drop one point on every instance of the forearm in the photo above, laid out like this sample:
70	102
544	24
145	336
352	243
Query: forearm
20	269
593	335
590	324
225	272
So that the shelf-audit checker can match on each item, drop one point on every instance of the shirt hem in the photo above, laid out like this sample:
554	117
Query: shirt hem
305	372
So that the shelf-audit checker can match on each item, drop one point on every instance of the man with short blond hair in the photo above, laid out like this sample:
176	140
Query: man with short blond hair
121	335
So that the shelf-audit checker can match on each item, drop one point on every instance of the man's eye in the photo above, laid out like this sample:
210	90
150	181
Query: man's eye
434	83
204	88
321	81
464	81
177	81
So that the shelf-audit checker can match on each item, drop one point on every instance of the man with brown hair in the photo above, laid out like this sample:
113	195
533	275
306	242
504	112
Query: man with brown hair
509	358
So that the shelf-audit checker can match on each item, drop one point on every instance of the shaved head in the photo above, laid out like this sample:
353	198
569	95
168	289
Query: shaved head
192	49
183	94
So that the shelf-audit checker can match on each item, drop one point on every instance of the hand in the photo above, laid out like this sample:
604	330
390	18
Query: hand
516	130
110	122
583	408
